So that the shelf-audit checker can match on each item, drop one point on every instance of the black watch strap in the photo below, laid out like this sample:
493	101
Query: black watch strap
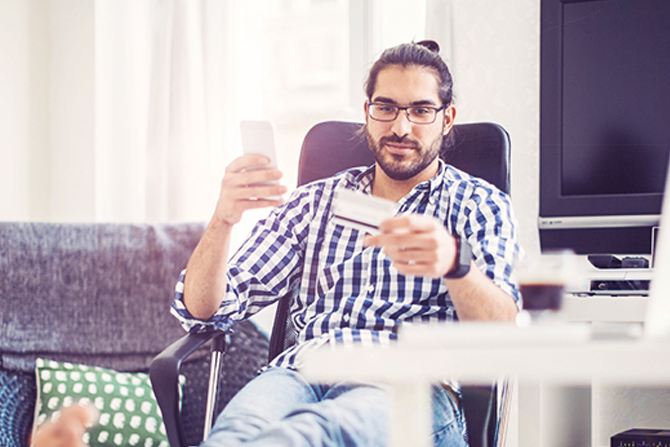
463	259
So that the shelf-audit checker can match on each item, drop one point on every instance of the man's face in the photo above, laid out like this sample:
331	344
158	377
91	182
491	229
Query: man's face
403	149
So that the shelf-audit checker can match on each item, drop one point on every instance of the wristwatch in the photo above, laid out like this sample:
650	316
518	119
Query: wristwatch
463	259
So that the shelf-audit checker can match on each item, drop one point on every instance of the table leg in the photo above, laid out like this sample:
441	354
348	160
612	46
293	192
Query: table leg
410	415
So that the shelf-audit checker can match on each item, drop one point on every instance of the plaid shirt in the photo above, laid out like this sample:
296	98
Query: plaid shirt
347	293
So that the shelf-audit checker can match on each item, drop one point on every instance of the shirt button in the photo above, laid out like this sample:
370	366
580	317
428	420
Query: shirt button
371	288
345	318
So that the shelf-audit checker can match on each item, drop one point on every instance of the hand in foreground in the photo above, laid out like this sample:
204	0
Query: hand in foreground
417	244
67	430
240	189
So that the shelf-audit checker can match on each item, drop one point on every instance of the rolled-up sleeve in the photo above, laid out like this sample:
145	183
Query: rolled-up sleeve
265	268
491	229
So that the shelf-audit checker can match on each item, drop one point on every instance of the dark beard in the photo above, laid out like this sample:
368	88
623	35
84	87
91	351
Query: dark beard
393	166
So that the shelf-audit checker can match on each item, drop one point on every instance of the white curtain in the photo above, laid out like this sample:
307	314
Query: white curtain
159	70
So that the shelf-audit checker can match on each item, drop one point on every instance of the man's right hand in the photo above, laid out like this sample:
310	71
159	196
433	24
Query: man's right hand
240	190
205	283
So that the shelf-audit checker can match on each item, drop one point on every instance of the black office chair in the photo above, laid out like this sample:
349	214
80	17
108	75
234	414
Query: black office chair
481	149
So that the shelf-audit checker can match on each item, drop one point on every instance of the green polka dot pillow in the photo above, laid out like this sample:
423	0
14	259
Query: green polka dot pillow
129	414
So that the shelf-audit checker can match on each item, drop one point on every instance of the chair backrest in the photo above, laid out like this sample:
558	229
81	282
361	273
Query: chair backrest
480	149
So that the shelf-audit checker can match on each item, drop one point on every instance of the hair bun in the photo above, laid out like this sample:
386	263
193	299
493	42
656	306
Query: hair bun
431	45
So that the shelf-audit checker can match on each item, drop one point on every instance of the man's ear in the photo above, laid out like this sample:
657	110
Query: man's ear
365	110
449	118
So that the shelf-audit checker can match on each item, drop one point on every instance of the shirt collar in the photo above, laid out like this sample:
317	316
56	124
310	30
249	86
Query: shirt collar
364	180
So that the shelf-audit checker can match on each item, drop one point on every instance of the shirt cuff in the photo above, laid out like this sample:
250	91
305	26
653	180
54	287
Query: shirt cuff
188	321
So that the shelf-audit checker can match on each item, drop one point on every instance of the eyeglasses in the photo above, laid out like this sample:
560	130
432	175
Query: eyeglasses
415	114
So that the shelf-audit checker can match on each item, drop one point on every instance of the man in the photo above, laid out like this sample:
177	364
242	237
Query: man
353	287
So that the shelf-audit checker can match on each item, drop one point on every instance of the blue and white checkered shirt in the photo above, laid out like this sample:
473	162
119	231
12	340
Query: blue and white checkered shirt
347	293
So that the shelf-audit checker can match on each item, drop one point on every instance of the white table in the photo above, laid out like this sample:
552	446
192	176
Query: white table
474	352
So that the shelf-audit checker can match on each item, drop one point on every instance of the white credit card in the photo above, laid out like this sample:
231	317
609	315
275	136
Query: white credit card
361	211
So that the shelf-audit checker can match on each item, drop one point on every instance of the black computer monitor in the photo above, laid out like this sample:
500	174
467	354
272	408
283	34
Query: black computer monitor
604	123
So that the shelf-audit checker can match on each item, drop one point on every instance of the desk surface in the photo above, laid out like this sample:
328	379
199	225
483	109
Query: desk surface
564	354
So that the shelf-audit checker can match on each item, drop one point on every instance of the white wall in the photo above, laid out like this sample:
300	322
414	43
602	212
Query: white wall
495	60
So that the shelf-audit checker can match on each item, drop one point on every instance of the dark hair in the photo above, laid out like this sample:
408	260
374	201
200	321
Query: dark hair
425	53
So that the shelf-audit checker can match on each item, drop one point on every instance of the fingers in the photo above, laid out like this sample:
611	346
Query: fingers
246	162
416	245
82	415
246	173
67	430
246	178
246	185
254	191
414	261
414	223
410	231
415	255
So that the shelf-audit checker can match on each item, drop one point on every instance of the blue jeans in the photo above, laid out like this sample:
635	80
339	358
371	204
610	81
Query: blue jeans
279	408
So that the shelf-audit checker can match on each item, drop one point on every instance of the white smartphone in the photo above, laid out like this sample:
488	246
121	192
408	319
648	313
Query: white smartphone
258	138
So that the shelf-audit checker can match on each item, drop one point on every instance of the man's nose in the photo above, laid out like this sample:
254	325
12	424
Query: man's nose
401	125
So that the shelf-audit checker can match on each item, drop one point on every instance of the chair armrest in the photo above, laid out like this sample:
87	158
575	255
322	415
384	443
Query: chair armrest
164	375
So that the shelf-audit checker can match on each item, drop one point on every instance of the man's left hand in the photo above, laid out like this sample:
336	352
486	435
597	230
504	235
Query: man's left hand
417	244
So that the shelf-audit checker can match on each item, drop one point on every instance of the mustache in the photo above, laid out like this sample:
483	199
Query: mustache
407	141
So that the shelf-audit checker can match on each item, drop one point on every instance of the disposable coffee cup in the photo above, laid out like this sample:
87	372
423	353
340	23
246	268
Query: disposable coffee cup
542	283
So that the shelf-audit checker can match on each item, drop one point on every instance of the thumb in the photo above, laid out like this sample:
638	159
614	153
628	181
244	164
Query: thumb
85	415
